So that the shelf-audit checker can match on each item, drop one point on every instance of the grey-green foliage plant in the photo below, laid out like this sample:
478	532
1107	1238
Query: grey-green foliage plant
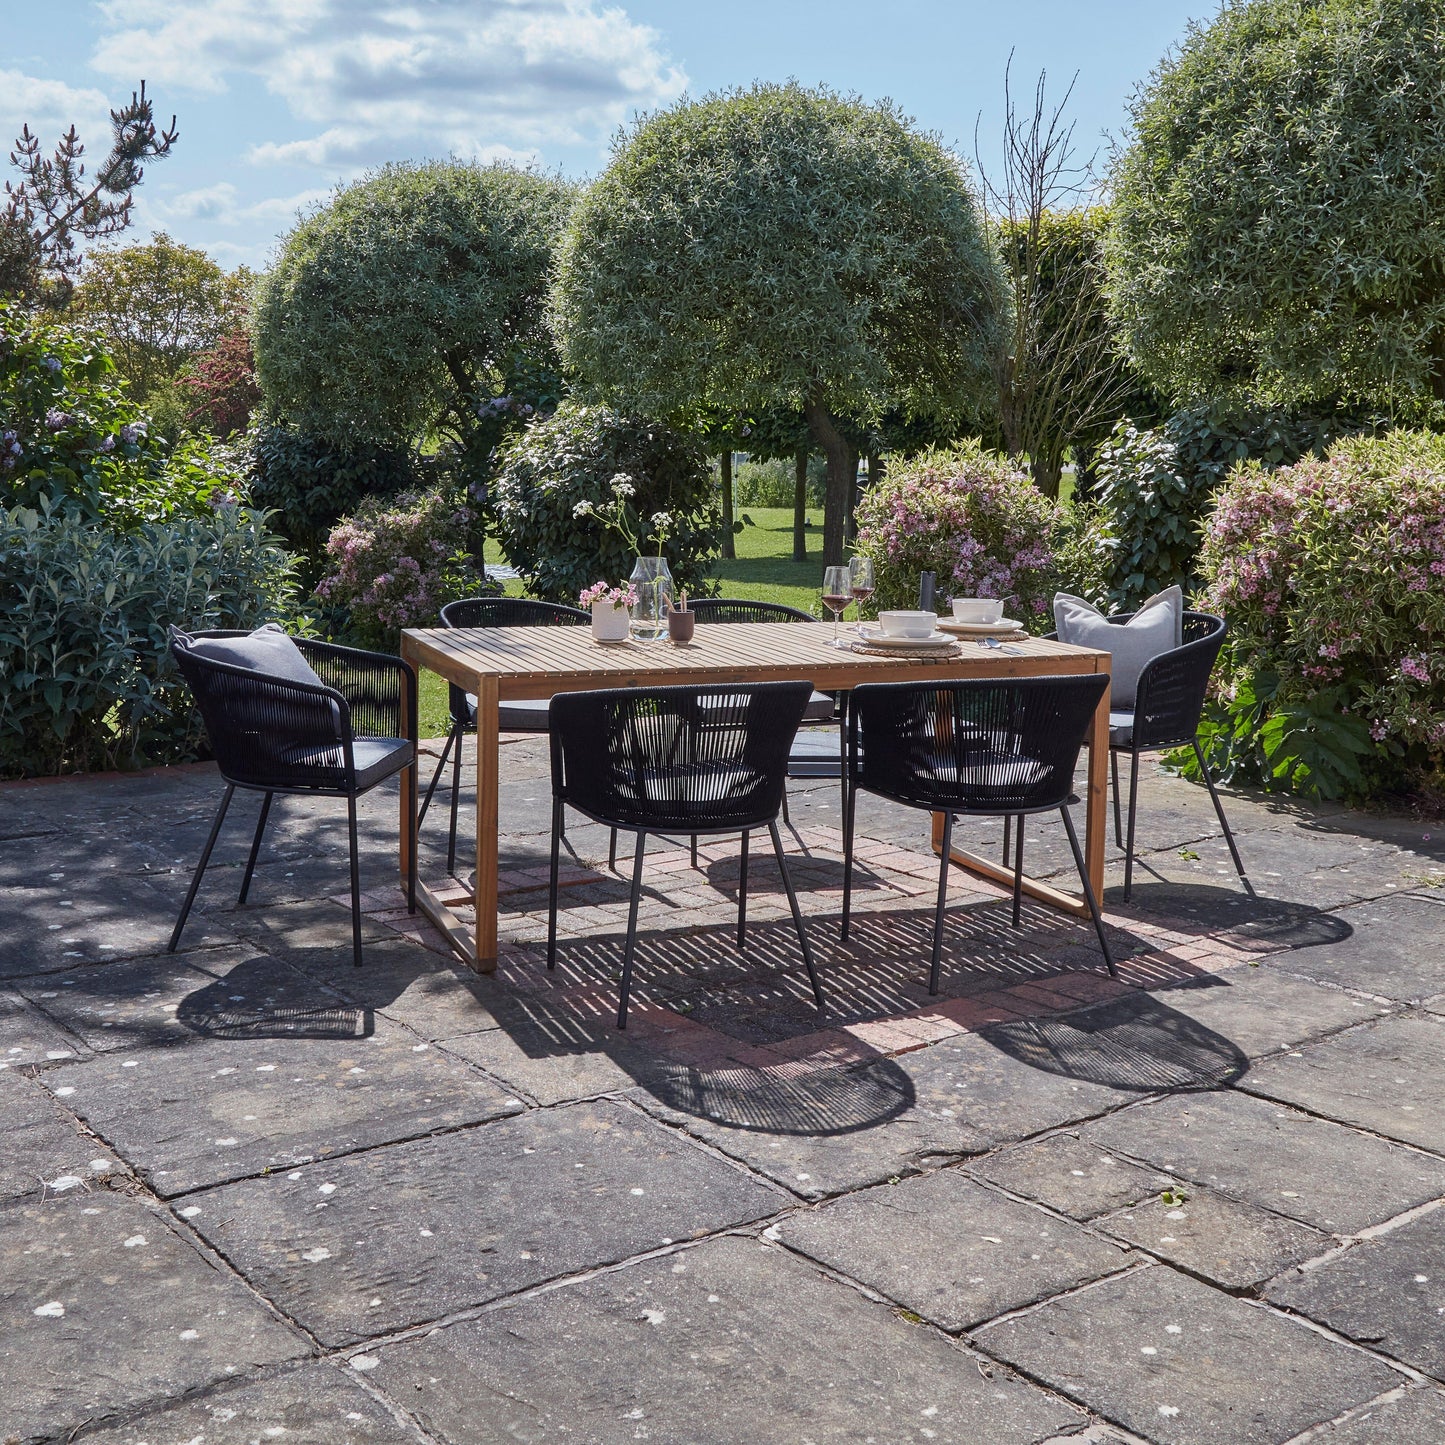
780	247
1279	215
84	611
395	313
1156	486
550	474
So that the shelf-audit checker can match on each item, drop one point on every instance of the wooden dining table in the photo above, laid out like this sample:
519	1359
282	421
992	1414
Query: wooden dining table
506	664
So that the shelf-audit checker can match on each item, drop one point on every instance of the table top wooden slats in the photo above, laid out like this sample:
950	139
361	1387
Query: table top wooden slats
532	662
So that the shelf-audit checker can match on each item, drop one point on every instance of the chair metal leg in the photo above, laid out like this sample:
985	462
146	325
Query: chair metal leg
1118	822
692	844
631	930
255	846
453	738
1129	844
1019	873
1088	891
456	803
1218	808
797	916
612	851
355	883
943	866
1008	833
843	746
201	867
743	895
850	806
552	886
786	819
411	846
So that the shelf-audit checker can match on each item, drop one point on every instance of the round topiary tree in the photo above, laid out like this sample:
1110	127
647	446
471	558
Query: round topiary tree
399	310
780	248
1279	219
556	477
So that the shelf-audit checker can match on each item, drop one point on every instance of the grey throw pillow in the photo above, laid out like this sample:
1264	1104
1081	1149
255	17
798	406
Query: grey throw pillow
267	650
1157	627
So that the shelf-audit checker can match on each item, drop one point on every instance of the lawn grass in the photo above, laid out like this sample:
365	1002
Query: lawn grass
763	570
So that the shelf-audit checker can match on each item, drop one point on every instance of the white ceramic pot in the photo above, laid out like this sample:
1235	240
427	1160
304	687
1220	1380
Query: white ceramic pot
907	624
977	609
609	623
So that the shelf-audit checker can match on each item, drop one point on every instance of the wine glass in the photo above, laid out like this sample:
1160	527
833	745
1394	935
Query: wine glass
836	596
861	585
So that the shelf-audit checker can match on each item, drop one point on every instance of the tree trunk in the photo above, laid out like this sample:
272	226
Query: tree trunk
725	466
842	477
800	505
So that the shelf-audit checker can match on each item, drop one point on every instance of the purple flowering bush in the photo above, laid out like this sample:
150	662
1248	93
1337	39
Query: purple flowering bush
71	434
969	516
395	562
1332	575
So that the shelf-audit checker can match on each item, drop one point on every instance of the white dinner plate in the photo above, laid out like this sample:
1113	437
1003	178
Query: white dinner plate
877	639
979	629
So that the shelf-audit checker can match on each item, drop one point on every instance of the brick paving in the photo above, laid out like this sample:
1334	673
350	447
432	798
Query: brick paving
250	1193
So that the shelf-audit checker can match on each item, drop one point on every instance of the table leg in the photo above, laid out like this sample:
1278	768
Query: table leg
1097	798
485	887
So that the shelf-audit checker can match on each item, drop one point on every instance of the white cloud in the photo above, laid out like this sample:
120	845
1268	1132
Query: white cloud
220	205
50	108
398	79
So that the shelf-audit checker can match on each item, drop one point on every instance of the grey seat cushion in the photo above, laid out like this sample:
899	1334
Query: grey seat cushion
530	714
1156	628
1121	729
820	708
267	650
376	758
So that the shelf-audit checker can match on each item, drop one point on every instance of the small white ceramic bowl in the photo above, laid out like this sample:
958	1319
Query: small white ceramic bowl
977	609
907	624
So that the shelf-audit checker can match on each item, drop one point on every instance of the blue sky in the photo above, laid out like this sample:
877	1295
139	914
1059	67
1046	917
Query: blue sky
278	101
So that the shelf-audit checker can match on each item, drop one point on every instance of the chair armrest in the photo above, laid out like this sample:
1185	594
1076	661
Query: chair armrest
1170	694
379	688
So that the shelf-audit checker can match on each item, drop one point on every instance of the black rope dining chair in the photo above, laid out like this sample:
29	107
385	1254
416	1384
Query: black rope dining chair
823	710
979	748
336	739
676	760
524	716
1168	703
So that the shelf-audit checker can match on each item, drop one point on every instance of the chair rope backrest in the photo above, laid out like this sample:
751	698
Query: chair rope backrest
976	745
269	732
1172	687
680	758
740	609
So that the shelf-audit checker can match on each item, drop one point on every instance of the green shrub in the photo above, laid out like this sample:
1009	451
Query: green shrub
83	616
565	461
1155	486
968	515
396	562
310	483
771	483
1332	575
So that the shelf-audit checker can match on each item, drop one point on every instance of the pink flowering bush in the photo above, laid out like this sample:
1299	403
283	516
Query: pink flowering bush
1332	575
967	515
395	563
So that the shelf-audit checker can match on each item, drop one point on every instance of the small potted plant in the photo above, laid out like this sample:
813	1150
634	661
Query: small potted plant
609	606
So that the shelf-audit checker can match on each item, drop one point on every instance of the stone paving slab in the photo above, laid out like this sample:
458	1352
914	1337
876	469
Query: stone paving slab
955	1098
1232	1244
92	919
1262	1010
43	1152
699	1347
1319	1173
224	1108
393	1237
315	1404
104	1308
27	1036
1072	1175
1388	1293
1179	1363
1416	1417
949	1249
1388	1077
176	999
1391	949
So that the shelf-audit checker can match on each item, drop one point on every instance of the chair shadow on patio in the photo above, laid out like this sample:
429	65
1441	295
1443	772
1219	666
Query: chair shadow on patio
1230	916
237	1008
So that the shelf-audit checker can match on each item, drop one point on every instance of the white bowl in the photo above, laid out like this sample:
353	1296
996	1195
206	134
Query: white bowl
907	624
977	609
